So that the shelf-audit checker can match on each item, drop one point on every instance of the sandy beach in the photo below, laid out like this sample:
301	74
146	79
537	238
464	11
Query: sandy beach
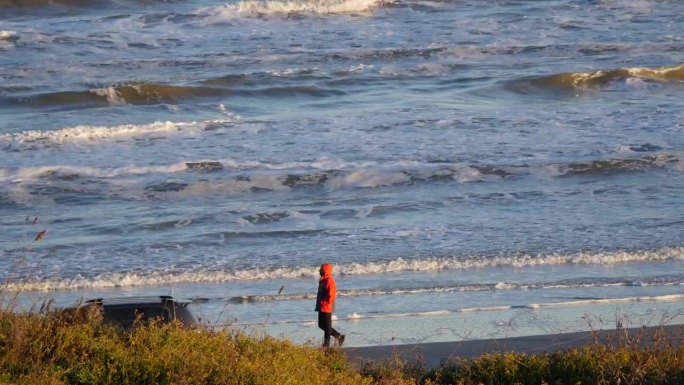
435	353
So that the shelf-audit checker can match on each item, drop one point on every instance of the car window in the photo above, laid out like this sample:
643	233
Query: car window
126	316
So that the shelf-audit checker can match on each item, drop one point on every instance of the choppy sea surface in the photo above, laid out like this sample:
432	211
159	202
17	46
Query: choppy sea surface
472	169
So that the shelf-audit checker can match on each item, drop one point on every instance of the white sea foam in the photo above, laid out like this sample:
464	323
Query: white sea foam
268	182
283	73
112	95
90	134
28	174
6	39
254	8
4	35
436	264
393	266
360	68
367	178
465	174
181	166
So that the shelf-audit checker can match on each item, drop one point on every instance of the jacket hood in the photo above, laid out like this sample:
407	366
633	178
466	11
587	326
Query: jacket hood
327	269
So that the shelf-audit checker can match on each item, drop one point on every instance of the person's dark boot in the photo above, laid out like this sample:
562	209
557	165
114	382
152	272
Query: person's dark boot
340	340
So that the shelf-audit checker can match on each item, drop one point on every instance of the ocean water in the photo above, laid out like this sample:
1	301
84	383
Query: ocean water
472	169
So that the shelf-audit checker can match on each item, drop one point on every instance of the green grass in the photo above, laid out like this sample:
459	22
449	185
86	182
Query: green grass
53	348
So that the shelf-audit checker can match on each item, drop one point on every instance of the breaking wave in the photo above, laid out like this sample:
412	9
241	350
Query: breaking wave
601	78
398	265
259	8
89	134
235	177
152	94
136	94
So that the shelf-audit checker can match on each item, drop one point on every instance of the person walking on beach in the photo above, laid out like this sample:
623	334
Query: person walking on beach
325	305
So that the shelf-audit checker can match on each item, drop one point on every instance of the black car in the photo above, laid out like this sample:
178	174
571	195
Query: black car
125	311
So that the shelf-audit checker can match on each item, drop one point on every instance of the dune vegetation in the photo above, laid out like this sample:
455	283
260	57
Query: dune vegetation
53	347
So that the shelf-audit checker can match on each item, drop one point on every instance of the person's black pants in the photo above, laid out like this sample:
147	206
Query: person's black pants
325	323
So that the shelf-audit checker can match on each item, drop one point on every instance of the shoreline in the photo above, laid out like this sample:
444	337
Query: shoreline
432	354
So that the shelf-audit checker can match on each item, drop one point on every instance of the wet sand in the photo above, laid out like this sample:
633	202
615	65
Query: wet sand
432	354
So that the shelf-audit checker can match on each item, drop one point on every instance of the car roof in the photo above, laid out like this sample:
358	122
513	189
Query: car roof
139	300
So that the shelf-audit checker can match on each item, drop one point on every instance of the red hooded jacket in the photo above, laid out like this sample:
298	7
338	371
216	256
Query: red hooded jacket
325	300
